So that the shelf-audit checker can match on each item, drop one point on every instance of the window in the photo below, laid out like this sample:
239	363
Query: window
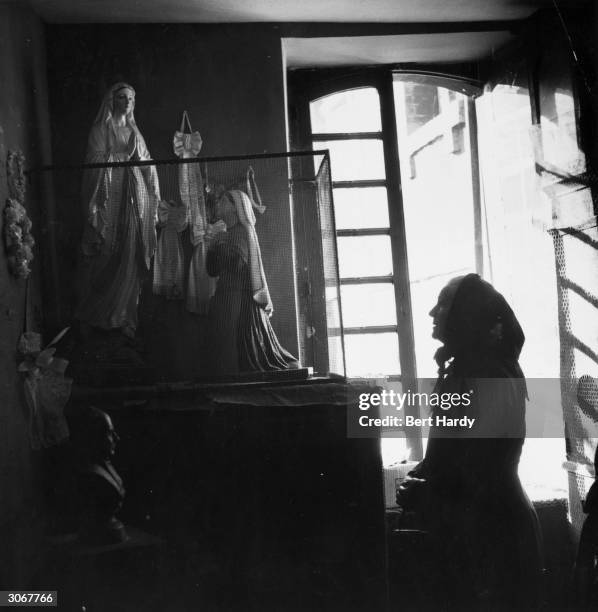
434	136
349	124
437	204
409	168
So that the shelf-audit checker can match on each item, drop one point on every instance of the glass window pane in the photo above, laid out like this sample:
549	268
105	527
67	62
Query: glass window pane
371	304
372	355
354	160
360	207
356	110
436	179
438	199
364	256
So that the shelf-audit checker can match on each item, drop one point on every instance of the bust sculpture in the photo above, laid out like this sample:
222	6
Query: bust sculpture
100	488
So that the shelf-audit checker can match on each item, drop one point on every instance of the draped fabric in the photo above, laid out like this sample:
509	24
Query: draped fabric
482	523
168	263
476	308
186	145
119	237
200	286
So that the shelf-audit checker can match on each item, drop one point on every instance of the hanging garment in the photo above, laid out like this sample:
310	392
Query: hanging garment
185	144
200	286
168	263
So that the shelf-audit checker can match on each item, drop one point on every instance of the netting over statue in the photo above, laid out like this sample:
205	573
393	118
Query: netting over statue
199	269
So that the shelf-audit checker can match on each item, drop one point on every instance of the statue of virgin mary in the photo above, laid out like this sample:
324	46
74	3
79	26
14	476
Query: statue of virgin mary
120	204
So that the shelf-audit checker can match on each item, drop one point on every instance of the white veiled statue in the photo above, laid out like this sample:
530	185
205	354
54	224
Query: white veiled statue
120	206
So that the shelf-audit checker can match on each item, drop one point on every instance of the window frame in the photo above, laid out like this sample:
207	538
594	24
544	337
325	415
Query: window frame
316	84
305	86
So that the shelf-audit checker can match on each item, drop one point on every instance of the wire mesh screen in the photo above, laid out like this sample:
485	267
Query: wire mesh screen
320	329
576	253
336	354
195	264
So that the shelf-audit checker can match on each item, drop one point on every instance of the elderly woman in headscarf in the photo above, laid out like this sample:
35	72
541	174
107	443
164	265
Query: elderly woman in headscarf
120	203
242	338
482	526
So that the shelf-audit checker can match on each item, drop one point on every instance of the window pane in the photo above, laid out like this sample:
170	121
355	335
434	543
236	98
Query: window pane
438	199
360	207
371	304
354	160
436	178
372	355
356	110
421	104
364	256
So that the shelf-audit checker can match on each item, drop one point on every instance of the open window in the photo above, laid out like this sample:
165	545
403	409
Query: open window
406	202
433	177
348	124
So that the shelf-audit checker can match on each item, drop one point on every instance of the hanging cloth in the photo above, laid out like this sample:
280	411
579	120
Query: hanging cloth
168	264
200	286
186	144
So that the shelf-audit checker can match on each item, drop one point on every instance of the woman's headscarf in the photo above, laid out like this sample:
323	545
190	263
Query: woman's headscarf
482	329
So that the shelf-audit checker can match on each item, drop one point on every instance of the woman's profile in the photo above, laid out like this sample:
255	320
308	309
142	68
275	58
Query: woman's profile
481	523
120	203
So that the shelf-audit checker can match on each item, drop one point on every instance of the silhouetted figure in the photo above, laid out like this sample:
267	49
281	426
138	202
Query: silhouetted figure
481	524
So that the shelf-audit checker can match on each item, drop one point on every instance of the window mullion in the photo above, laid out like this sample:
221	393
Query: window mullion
365	280
347	136
370	231
362	183
370	329
398	244
476	186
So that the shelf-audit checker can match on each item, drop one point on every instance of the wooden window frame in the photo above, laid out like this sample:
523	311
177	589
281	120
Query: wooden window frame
308	85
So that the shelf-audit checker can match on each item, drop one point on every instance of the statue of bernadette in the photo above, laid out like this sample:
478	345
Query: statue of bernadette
242	338
120	205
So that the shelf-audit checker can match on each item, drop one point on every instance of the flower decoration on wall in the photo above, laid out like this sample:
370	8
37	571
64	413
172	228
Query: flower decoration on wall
17	225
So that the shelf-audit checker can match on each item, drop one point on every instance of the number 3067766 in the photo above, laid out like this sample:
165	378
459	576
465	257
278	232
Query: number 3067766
28	598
